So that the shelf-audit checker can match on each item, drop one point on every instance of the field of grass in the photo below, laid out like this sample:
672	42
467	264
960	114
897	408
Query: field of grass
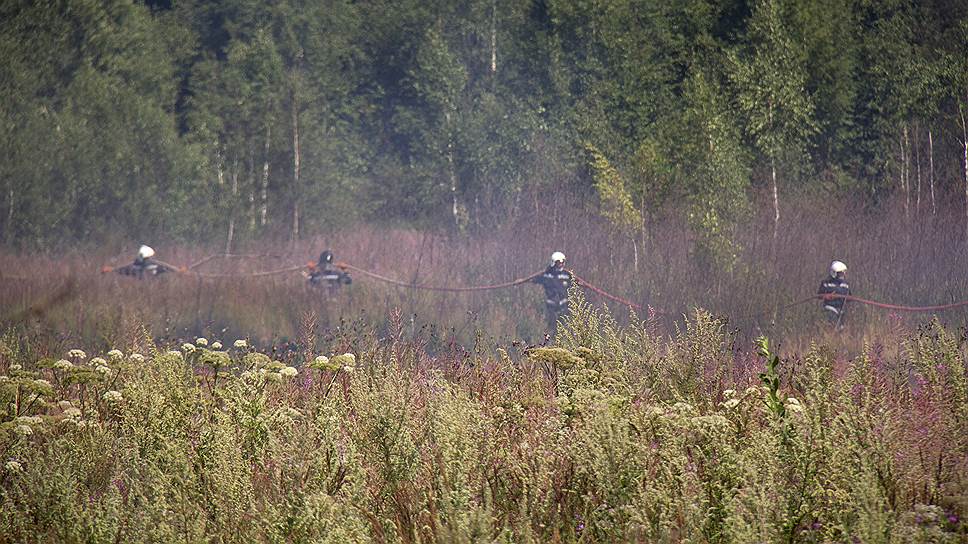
614	434
385	414
64	296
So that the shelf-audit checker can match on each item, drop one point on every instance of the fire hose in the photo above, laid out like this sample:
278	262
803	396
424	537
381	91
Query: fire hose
578	280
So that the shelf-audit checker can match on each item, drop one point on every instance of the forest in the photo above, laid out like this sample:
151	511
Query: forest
236	120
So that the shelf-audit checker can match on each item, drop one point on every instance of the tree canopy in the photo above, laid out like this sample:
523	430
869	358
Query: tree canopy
235	119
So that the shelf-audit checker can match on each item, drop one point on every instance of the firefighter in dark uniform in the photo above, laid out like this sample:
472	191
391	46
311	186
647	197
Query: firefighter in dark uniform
835	284
556	280
143	265
326	273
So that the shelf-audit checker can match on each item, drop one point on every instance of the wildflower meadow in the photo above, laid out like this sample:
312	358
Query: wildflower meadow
610	433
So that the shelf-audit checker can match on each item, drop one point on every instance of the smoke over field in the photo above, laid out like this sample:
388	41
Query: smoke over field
889	259
185	408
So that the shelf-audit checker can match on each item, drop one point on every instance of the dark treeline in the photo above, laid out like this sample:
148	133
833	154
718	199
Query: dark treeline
234	119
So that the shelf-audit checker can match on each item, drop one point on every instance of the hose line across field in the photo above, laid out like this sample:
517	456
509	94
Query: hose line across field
399	283
578	280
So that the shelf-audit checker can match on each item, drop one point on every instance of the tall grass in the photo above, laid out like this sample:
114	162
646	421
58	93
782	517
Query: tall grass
613	434
890	258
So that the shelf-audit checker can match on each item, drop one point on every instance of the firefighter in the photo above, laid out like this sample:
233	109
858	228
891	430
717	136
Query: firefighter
144	265
326	273
556	280
835	284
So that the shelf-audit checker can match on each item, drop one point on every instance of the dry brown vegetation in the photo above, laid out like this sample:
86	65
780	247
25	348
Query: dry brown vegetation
891	258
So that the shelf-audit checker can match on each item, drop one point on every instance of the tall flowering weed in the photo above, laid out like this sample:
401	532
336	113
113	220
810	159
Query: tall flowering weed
611	434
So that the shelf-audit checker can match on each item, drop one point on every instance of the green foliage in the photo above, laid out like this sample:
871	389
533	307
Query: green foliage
716	171
614	434
771	84
617	204
179	120
771	379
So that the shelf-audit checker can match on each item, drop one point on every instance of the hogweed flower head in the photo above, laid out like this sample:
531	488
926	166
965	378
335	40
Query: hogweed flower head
340	361
77	354
98	361
216	345
137	358
101	369
187	348
201	341
63	364
115	355
23	430
241	343
289	372
323	362
113	396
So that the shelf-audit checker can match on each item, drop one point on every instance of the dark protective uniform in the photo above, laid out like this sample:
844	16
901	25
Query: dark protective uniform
556	281
835	307
326	273
142	267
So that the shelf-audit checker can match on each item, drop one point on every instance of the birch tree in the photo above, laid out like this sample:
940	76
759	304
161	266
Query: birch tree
770	84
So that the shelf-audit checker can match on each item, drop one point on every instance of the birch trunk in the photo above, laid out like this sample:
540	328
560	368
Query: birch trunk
964	145
295	164
776	200
452	173
264	211
252	211
235	191
10	207
905	180
635	254
250	178
219	171
493	37
917	169
934	205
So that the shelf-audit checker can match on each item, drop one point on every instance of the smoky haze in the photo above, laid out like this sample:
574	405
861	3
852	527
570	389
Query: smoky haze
681	157
889	258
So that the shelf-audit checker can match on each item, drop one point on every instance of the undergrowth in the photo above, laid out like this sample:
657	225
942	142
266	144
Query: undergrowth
613	433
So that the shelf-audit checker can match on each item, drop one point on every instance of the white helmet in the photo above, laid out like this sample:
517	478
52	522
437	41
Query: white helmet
145	252
557	256
837	267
